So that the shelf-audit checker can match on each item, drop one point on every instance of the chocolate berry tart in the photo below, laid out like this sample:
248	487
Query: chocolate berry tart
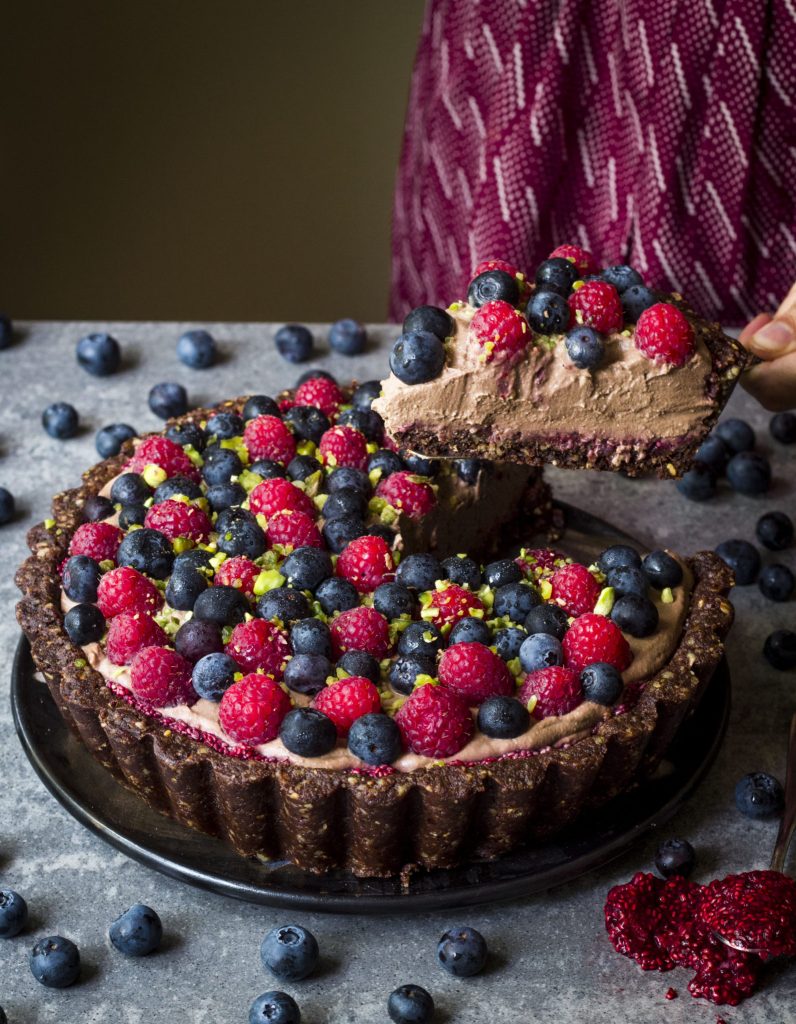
587	368
281	631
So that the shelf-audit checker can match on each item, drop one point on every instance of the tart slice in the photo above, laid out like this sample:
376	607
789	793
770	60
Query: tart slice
593	370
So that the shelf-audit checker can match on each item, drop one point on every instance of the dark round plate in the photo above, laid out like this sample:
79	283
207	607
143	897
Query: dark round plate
121	818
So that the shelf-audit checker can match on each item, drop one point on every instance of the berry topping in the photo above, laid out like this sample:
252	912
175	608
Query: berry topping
360	629
410	494
307	732
450	603
585	347
80	577
343	446
259	645
435	722
160	451
126	590
291	530
252	710
662	570
635	615
375	739
557	691
431	320
162	677
574	589
602	683
321	393
474	672
548	312
177	519
347	700
239	572
582	259
540	650
419	572
130	632
417	356
621	277
279	495
267	437
556	275
493	286
84	624
213	675
596	304
225	606
503	718
148	551
99	541
307	673
109	440
664	335
593	638
366	562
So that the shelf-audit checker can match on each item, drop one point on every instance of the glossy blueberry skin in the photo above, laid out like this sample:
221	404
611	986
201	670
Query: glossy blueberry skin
601	683
759	795
168	399
307	732
585	347
220	465
239	533
346	501
419	572
347	477
508	642
109	440
743	558
260	405
393	600
307	673
366	421
130	489
213	675
500	574
420	638
779	649
635	300
503	718
470	630
148	551
348	337
491	286
465	572
80	578
375	739
289	952
132	515
97	508
782	427
306	567
311	636
387	461
618	555
548	312
7	506
301	467
194	558
417	357
698	483
776	583
774	530
176	485
137	932
365	394
84	624
185	434
337	595
410	1004
99	354
360	663
469	470
749	473
547	618
635	615
462	952
714	454
13	913
226	606
431	319
540	650
55	962
621	277
183	590
197	349
341	530
221	496
284	604
196	638
675	857
420	466
405	669
556	275
308	422
274	1008
737	435
60	420
268	469
627	579
223	426
515	600
662	570
294	342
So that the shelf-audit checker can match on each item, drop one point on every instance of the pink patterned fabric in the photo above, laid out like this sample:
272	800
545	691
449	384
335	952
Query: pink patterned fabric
657	132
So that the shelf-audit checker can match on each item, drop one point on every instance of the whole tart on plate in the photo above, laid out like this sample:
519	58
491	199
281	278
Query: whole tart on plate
372	622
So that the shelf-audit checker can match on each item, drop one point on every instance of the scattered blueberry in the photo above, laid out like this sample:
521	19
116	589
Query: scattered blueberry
737	435
417	357
307	673
556	275
80	578
7	506
239	533
405	669
743	558
337	595
491	286
463	571
365	394
60	420
469	470
621	277
311	636
698	483
540	650
429	319
635	615
547	618
462	952
508	641
294	342
55	962
360	663
99	354
503	718
470	630
635	300
226	606
274	1008
782	427
137	932
290	952
109	440
749	473
196	638
780	649
419	572
148	551
776	583
168	399
759	795
348	337
618	555
585	347
420	638
774	530
713	453
675	857
308	422
500	574
308	732
13	913
548	312
375	739
601	683
197	349
84	624
260	405
662	570
213	675
410	1004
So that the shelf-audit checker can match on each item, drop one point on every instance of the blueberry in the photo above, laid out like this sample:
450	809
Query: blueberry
308	422
749	473
515	600
148	551
168	399
221	496
635	300
463	571
393	600
185	434
307	673
405	669
499	574
284	604
60	420
337	595
289	952
294	342
348	337
410	1004
419	572
462	952
7	506
616	555
419	465
386	462
274	1008
346	477
84	623
184	588
341	530
96	508
585	347
508	642
375	739
13	913
130	489
360	663
213	674
312	374
491	286
547	618
196	638
556	275
55	962
635	615
223	426
429	319
601	683
308	732
197	349
468	630
132	515
675	857
311	636
417	357
6	331
776	583
194	558
301	467
138	932
420	638
469	470
774	530
365	394
306	567
260	405
225	606
697	483
780	649
99	354
239	533
346	501
743	558
621	277
503	718
737	435
782	427
540	650
366	421
387	533
627	579
220	465
714	454
759	795
662	570
268	469
176	485
548	312
80	578
109	440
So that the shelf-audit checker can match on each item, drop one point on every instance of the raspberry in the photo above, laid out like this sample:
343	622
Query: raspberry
343	446
267	437
410	494
346	700
474	672
593	638
597	304
258	644
127	590
536	562
324	394
128	633
239	572
366	562
162	677
160	451
500	331
450	603
557	690
435	722
279	495
252	710
582	258
360	629
178	519
574	589
291	530
664	335
99	541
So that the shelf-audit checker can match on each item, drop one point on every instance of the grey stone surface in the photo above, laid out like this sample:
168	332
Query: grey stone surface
551	962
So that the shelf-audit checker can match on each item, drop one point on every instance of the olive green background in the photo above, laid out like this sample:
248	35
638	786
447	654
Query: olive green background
199	160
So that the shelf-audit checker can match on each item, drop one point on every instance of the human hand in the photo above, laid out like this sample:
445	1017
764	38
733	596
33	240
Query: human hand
773	339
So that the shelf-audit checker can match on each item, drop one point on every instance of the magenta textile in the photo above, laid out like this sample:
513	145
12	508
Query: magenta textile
661	133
